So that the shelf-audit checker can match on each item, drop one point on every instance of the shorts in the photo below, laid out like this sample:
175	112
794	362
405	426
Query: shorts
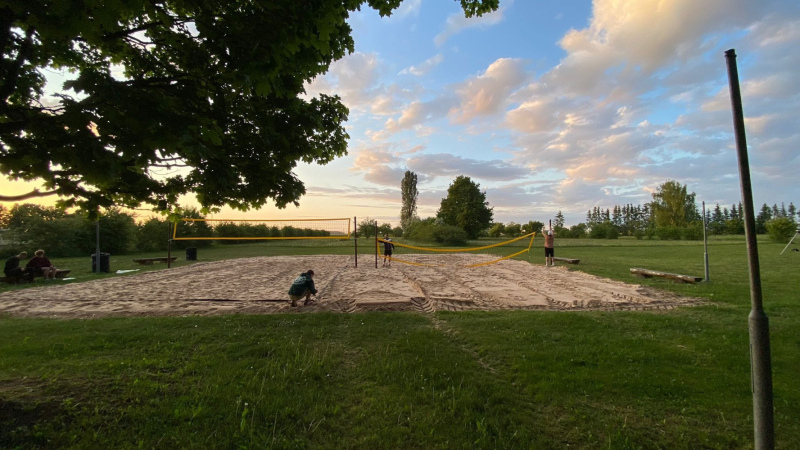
389	253
549	251
295	298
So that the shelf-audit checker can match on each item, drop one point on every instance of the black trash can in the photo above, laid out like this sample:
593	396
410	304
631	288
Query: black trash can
191	253
105	262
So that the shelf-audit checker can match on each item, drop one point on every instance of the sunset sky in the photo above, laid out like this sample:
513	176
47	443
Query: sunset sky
558	106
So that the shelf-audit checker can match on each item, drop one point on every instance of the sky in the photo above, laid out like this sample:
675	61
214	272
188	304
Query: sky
557	106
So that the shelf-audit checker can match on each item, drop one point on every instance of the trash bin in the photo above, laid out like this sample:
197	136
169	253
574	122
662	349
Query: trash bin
105	262
191	253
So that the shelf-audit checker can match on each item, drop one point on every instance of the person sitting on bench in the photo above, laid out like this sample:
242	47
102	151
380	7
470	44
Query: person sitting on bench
41	266
13	270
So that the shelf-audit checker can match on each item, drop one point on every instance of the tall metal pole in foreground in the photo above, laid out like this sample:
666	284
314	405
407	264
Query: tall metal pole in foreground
355	237
760	360
705	241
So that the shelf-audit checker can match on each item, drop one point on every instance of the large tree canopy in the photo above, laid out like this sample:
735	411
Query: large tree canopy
168	97
673	206
466	207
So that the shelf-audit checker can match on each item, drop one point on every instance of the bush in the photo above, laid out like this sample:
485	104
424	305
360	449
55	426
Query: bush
57	237
432	230
192	229
513	229
151	236
397	231
117	234
693	231
497	230
575	232
669	233
449	235
421	230
605	230
781	229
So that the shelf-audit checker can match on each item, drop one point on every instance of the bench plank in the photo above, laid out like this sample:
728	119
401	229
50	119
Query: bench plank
566	260
148	261
646	273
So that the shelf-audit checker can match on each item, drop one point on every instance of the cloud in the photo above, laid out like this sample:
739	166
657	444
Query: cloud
419	114
641	97
355	78
456	23
485	94
408	8
425	67
451	166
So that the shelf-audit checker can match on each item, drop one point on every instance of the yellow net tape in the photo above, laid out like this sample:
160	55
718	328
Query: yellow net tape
460	250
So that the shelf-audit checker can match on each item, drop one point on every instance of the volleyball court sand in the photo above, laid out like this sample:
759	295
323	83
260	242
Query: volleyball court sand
260	285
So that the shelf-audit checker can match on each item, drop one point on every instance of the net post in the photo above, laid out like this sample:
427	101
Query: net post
376	244
355	237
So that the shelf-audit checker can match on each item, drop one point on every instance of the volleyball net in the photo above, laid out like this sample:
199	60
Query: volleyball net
255	229
457	257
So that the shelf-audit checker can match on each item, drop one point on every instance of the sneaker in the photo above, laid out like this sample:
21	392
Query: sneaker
309	302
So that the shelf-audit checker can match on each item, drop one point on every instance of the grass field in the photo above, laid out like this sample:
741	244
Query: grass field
518	379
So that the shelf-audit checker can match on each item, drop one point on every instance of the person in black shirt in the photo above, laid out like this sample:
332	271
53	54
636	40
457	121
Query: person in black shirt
13	270
387	251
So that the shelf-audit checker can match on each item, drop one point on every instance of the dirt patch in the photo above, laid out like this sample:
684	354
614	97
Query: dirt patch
260	285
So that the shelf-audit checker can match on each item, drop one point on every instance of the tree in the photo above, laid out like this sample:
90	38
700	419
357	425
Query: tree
497	230
513	229
408	189
764	216
366	227
559	221
5	216
673	206
466	207
534	226
212	88
384	229
781	229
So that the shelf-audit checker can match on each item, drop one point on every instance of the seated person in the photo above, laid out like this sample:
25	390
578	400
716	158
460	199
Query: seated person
12	268
41	266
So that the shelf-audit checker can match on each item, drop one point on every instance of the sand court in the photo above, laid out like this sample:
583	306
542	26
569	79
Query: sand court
260	285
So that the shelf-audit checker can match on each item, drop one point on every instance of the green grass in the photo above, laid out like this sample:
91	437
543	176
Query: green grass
515	379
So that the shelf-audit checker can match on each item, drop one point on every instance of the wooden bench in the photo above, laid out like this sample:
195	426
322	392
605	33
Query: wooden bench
149	261
566	260
59	273
645	273
16	280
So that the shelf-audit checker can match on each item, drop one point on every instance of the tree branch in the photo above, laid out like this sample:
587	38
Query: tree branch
33	194
10	82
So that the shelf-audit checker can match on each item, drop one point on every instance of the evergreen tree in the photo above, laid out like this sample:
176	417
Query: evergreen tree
559	221
764	216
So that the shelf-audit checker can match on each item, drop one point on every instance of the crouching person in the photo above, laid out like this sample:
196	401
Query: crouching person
303	287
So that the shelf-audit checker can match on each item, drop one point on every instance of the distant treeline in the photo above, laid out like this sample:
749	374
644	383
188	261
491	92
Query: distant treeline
31	227
673	214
